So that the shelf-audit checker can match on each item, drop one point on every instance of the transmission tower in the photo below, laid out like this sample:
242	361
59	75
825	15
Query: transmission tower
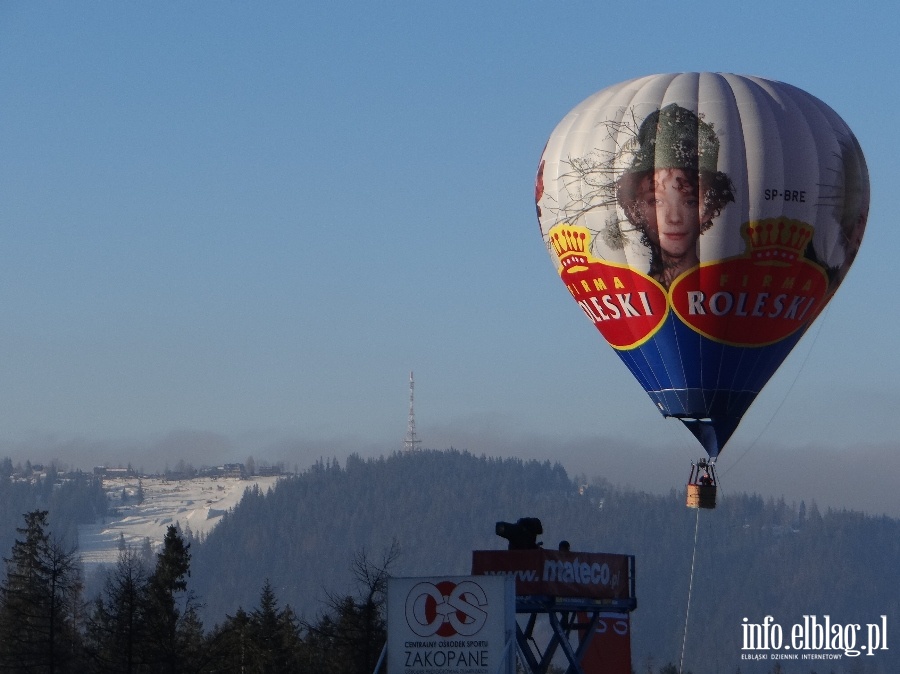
412	441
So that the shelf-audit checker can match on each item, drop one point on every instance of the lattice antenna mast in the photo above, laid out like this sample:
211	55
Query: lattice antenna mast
412	441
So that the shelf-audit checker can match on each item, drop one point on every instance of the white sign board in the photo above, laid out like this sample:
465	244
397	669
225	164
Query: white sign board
451	625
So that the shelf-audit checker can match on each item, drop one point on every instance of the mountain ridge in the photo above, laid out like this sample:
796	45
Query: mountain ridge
754	557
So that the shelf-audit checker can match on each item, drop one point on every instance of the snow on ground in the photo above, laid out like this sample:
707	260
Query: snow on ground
198	503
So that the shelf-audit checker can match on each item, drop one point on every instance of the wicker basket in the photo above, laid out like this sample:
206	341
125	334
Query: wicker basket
701	496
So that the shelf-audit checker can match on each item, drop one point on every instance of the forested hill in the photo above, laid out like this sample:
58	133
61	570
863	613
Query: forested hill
754	557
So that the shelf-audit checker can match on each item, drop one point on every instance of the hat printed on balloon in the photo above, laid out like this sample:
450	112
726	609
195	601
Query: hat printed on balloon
672	191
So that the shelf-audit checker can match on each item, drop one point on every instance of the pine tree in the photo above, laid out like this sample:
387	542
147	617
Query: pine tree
116	627
38	601
274	633
147	552
264	641
172	621
230	644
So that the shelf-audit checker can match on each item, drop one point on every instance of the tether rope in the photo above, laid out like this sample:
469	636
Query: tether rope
687	612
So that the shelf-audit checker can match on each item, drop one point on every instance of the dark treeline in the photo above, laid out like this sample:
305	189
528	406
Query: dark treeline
285	583
73	497
146	618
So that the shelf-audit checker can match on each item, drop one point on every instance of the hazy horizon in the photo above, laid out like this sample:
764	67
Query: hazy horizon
861	478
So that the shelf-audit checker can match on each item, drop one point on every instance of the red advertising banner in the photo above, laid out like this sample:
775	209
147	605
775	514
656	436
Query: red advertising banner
588	575
610	649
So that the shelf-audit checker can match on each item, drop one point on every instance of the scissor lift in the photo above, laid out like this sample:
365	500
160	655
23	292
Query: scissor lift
578	592
573	623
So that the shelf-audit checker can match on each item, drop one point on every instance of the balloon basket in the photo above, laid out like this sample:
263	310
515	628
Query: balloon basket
701	496
701	486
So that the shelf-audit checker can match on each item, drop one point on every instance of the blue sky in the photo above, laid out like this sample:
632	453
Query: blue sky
233	228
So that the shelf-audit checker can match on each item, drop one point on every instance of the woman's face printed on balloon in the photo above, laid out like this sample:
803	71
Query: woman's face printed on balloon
669	206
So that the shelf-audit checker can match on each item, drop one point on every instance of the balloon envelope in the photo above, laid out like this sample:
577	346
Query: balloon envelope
702	221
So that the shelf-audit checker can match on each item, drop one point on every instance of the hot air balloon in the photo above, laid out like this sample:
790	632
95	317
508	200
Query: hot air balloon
702	221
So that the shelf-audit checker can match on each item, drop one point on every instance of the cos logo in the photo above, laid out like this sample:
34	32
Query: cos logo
446	609
620	627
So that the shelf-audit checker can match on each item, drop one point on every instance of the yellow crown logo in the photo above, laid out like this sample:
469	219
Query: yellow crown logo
571	244
777	240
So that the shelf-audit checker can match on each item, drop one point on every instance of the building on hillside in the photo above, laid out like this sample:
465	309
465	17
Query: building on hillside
110	473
